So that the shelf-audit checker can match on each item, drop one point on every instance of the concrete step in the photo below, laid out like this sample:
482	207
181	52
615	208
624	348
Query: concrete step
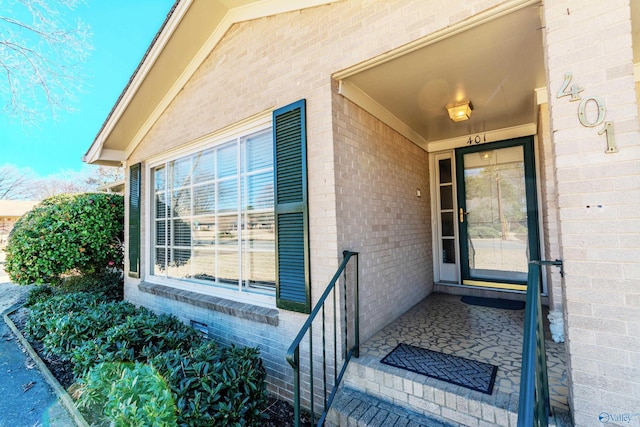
428	396
353	408
434	399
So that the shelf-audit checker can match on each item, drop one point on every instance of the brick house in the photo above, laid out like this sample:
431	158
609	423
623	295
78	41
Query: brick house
10	212
546	165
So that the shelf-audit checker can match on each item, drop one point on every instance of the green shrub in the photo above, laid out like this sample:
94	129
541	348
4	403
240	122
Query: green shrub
75	328
215	386
45	314
109	283
79	232
126	394
39	294
117	349
135	338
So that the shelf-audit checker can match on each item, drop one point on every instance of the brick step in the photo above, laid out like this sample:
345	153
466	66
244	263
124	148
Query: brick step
433	398
353	408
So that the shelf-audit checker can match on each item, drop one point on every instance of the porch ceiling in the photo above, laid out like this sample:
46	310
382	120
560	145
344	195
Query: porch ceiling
496	64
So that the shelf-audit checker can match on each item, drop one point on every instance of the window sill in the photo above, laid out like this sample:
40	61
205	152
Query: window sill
242	310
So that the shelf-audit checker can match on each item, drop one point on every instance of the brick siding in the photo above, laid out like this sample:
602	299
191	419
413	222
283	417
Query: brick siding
363	176
378	174
599	212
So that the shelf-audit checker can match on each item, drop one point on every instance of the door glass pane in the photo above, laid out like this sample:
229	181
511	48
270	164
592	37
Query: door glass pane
444	166
496	218
447	223
446	197
448	251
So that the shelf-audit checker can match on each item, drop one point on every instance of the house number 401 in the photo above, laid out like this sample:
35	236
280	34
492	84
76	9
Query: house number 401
573	91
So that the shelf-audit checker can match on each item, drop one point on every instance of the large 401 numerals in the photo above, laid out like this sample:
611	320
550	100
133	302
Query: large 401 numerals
573	92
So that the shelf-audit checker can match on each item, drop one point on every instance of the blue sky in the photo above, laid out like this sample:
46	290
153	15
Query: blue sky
121	32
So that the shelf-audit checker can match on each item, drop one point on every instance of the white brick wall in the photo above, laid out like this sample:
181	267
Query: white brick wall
549	208
270	62
598	205
379	214
363	176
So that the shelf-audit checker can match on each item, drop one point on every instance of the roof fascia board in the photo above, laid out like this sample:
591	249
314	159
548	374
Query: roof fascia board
233	16
104	156
93	153
111	156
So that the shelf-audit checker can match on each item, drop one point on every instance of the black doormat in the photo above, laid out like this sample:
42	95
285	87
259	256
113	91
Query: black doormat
494	302
467	373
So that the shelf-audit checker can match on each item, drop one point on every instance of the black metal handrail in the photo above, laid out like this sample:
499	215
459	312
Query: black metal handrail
534	407
293	354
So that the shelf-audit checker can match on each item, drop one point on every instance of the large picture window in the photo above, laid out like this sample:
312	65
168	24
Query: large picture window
213	216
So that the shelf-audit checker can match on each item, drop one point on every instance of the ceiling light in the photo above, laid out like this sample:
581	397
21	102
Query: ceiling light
460	111
485	155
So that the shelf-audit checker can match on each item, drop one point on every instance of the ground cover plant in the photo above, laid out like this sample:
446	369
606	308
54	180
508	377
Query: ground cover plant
135	368
125	365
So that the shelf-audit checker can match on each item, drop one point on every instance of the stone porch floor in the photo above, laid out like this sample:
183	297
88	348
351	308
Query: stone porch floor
444	323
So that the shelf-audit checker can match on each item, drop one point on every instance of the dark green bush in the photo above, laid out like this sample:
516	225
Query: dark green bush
75	328
45	314
117	350
215	386
107	286
79	232
107	282
39	294
136	338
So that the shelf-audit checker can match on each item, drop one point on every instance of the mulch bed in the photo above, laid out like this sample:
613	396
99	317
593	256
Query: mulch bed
279	413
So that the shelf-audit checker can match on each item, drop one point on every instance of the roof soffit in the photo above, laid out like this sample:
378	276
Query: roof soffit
188	36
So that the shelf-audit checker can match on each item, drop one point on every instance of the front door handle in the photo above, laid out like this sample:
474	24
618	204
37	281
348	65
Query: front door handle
462	214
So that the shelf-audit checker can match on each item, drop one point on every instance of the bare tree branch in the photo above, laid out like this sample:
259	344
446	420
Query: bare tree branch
23	184
69	182
16	183
40	49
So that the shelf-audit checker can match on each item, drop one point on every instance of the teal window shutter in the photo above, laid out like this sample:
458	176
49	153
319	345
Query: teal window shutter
293	281
134	220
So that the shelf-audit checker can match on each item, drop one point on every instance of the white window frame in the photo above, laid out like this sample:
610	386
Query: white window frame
260	122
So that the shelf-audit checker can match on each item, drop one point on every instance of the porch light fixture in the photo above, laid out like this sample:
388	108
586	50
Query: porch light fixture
460	111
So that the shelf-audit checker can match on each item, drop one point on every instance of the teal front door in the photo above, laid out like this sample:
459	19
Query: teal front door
497	213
